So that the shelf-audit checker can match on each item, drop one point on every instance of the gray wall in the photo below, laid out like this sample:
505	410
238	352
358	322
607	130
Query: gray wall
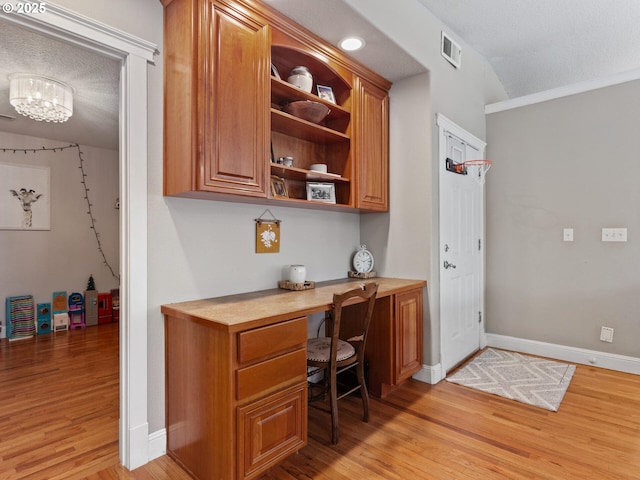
566	163
61	259
408	233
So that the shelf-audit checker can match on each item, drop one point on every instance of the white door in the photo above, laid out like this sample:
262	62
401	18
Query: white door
461	244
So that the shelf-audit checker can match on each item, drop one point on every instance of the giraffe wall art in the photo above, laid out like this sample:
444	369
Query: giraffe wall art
24	197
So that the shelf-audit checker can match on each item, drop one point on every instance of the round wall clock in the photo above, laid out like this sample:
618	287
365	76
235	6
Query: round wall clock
363	260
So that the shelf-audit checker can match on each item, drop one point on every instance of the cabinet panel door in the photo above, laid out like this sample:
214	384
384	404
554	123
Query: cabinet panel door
372	146
271	429
235	137
408	334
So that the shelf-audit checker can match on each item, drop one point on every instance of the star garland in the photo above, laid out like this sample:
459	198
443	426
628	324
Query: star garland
84	186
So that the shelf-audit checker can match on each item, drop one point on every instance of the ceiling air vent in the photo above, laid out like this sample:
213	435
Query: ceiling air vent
451	50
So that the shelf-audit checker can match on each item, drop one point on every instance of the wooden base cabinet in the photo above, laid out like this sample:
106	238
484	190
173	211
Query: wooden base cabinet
394	345
236	402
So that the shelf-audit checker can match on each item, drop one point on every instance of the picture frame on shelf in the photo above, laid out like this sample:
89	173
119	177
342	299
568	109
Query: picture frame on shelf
272	158
326	93
274	72
321	192
278	187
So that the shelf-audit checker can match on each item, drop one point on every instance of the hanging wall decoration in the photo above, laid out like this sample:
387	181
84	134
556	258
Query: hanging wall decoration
267	233
30	186
24	197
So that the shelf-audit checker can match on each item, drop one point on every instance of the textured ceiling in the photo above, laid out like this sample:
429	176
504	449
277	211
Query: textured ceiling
539	45
95	79
533	46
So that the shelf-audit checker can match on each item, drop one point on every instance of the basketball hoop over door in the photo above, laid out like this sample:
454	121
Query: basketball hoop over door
477	168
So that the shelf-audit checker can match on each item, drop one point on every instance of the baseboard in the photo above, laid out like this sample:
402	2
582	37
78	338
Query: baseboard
431	374
157	444
583	356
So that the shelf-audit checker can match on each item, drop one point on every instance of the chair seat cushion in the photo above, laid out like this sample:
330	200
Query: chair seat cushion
319	349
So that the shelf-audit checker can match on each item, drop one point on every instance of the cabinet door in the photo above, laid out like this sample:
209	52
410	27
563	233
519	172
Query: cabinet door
372	146
235	133
270	430
408	334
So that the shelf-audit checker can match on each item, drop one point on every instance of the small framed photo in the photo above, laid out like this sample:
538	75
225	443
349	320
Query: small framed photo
321	192
278	187
326	93
274	71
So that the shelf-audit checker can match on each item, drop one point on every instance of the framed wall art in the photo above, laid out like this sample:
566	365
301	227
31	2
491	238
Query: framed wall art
25	197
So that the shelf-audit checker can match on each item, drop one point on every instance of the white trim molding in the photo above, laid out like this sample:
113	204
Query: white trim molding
561	92
583	356
431	374
157	444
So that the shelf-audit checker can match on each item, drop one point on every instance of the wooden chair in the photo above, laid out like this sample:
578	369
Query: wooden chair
333	355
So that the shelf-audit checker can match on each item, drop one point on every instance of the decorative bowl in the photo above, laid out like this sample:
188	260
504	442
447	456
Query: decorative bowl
310	111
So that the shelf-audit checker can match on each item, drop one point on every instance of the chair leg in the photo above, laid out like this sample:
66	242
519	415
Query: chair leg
334	411
363	392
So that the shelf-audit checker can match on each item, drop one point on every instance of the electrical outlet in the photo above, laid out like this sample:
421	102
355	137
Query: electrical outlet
606	334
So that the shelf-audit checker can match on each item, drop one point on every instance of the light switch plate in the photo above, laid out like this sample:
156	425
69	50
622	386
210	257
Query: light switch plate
567	234
614	234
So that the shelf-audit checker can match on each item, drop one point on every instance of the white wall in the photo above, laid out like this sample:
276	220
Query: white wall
61	259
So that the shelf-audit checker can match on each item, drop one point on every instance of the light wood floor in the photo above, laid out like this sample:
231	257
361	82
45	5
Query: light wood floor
59	420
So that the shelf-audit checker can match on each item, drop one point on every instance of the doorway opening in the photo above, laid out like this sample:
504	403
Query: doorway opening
134	55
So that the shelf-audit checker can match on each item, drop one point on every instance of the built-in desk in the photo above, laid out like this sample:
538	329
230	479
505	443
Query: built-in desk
236	392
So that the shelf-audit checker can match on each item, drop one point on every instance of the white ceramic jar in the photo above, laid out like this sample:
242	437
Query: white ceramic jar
301	77
297	273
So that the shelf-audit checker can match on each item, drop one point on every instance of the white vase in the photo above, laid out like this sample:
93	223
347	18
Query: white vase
297	273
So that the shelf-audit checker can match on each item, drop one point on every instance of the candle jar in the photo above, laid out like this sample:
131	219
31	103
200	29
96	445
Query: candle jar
301	77
297	273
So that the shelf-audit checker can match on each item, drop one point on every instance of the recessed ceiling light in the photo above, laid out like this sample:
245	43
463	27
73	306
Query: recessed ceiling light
351	43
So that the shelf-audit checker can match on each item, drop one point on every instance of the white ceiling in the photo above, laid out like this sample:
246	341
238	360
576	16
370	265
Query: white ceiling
533	46
539	45
94	77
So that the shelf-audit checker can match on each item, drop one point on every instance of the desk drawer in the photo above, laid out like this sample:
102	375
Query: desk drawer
272	373
268	341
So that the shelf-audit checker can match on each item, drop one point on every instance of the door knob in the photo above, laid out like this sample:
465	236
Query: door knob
448	265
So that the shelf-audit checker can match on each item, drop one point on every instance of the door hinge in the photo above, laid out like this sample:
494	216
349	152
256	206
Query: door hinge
479	317
479	244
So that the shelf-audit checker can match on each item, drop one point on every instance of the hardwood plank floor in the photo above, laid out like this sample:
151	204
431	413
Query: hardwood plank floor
59	420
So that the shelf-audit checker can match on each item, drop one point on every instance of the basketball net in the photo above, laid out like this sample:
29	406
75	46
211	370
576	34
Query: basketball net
478	169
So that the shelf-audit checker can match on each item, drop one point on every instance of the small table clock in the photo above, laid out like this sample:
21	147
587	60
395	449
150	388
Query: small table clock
362	264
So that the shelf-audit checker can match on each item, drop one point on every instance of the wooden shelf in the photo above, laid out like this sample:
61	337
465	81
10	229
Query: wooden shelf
283	92
300	174
288	124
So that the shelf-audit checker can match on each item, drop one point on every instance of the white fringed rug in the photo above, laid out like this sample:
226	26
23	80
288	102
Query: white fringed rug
527	379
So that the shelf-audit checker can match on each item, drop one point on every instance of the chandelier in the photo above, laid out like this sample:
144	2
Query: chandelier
40	98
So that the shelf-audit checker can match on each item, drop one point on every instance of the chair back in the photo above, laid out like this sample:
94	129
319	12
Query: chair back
353	327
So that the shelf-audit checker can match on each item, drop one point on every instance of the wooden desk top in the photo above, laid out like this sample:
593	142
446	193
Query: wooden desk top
254	309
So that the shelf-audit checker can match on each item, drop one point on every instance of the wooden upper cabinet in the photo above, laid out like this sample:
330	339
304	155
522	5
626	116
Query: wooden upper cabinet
372	146
236	114
216	100
224	124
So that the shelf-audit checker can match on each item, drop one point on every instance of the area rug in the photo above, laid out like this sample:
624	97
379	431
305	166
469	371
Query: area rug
531	380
